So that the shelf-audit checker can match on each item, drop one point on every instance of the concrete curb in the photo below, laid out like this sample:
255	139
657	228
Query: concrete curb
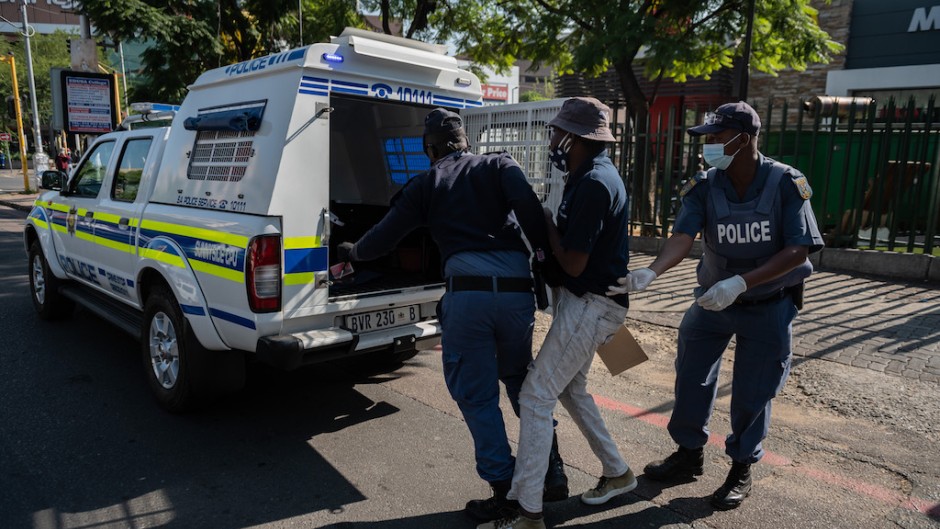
17	204
911	267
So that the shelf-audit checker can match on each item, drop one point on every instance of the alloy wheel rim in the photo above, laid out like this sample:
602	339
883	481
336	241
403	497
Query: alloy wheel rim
39	282
164	350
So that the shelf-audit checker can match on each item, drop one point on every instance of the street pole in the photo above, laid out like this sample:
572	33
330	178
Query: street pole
39	156
300	18
19	122
123	74
748	35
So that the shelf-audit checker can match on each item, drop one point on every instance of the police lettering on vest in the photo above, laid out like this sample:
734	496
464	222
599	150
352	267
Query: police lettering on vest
744	233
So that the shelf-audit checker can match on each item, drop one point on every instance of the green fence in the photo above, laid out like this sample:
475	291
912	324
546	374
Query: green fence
874	169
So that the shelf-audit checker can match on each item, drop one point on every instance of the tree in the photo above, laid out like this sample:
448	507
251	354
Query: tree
190	37
672	38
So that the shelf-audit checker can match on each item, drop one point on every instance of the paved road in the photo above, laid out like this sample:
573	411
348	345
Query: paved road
888	326
83	446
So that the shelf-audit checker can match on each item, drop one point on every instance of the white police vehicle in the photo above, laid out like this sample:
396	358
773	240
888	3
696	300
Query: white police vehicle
210	239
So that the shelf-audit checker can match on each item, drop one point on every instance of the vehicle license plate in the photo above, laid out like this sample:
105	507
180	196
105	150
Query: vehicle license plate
382	318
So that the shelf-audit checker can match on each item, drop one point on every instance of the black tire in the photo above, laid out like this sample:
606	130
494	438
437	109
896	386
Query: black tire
49	303
166	353
181	373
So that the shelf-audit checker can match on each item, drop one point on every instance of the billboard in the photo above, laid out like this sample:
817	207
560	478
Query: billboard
86	102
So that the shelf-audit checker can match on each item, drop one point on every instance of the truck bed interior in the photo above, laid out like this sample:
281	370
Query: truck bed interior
375	148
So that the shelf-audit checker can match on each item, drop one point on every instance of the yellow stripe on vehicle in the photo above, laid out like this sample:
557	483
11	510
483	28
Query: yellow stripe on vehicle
41	223
218	271
114	245
197	233
304	278
108	217
163	257
297	243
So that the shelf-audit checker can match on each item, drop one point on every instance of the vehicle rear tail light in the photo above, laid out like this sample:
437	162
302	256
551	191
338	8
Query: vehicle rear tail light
263	273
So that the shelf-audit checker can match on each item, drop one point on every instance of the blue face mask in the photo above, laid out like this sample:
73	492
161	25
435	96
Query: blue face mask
559	155
714	154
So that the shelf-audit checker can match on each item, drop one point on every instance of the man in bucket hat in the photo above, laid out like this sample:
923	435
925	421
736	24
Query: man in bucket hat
474	206
758	228
590	245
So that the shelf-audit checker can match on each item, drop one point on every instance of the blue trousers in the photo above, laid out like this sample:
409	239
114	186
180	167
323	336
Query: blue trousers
487	338
761	366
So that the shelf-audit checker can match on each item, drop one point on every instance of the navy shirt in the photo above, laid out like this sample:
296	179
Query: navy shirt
469	202
799	222
592	219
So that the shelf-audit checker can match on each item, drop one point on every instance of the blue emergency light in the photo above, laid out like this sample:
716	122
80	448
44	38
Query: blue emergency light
332	57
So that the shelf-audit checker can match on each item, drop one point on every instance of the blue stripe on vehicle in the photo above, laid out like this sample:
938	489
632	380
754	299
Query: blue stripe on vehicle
350	91
315	79
112	232
296	54
233	318
313	92
188	244
350	84
301	260
130	282
195	310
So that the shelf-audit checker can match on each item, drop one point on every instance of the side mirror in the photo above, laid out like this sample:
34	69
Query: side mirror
53	180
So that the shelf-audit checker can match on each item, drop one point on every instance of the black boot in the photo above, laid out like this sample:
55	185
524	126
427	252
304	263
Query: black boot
737	487
495	507
681	465
556	482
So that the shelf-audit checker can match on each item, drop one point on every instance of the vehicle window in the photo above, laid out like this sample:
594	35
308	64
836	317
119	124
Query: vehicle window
88	178
130	169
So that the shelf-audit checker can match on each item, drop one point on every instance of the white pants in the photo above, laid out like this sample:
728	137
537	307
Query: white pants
559	373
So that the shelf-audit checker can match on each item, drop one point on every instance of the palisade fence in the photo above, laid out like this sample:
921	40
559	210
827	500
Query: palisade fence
873	168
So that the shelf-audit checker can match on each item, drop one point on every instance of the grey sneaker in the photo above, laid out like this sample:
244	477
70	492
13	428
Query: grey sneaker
514	522
607	488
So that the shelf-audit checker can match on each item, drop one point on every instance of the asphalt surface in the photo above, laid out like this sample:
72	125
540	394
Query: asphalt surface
82	444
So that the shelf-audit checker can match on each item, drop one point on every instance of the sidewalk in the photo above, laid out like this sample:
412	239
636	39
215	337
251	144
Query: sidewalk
890	326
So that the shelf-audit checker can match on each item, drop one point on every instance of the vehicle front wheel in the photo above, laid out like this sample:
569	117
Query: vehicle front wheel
44	287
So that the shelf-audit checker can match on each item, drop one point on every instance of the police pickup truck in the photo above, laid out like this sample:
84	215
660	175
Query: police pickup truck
212	239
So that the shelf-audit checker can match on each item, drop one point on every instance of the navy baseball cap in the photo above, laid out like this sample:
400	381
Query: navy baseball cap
441	122
735	116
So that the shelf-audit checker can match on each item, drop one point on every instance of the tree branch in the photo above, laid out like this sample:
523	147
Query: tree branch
552	9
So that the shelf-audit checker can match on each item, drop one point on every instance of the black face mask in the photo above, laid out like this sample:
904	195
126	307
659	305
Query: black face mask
559	155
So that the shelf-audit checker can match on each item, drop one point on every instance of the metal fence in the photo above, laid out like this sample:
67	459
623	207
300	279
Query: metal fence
874	169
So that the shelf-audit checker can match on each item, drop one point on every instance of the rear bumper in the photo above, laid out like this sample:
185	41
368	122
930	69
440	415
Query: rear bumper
295	350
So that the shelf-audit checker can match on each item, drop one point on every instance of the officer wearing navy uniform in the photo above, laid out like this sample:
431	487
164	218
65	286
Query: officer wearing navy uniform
474	206
758	230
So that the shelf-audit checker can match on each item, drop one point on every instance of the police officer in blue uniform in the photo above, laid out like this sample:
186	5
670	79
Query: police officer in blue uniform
474	206
758	230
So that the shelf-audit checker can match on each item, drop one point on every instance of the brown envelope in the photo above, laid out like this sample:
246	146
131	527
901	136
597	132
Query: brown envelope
622	352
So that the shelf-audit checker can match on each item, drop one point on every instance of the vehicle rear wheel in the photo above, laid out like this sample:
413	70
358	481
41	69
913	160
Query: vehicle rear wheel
44	287
181	373
166	352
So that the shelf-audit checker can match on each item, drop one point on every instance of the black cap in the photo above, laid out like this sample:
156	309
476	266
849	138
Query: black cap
734	116
441	123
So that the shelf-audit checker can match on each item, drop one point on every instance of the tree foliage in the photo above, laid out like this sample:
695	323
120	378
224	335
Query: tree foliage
673	38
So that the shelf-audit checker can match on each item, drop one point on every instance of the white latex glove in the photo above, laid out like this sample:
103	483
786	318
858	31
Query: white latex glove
634	281
722	293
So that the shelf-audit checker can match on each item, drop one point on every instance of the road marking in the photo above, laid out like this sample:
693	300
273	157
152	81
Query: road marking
876	492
